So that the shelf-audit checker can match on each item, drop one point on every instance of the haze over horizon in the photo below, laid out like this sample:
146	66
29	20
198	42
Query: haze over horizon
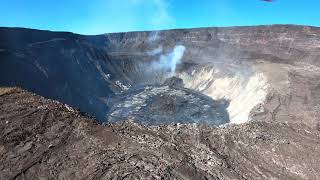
105	16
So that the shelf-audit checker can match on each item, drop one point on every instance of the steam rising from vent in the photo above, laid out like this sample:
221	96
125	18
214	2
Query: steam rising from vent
169	62
162	66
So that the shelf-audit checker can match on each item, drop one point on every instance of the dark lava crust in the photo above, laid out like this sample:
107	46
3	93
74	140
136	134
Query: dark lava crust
168	104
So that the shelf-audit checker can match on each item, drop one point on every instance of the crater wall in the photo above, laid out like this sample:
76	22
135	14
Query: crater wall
268	72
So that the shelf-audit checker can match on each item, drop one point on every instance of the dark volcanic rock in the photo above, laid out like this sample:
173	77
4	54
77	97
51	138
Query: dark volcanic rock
157	105
174	81
44	139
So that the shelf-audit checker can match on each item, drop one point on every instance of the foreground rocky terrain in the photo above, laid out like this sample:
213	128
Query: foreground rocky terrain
45	139
208	103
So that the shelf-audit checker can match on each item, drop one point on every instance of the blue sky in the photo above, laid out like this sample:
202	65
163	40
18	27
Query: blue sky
102	16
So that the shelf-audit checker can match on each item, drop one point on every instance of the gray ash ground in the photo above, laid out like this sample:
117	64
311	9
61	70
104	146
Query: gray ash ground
168	103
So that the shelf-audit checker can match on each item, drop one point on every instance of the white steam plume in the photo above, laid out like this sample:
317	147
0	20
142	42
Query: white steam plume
158	70
169	62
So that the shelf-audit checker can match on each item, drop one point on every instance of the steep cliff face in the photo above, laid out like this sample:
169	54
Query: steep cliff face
260	70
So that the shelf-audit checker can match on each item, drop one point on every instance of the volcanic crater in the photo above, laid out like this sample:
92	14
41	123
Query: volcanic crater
206	103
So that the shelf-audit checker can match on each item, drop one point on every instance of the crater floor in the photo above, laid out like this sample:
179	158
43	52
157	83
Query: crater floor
168	104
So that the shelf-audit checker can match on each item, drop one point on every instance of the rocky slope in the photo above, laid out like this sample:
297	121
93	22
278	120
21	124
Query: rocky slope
44	139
